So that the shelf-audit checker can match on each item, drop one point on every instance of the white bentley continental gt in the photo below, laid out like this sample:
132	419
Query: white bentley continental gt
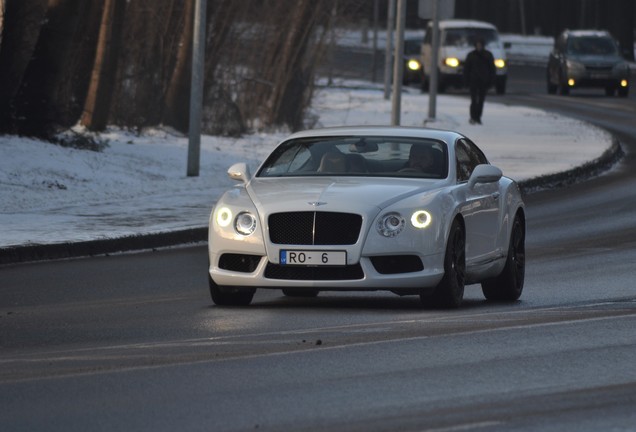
409	210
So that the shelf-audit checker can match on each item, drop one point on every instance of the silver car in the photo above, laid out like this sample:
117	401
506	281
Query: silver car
587	58
409	210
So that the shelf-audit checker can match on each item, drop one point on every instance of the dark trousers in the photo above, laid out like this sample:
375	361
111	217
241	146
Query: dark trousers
477	98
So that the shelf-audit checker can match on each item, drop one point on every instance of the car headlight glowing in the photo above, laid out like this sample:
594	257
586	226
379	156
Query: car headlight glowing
224	217
421	219
390	224
413	65
451	62
500	63
245	223
624	83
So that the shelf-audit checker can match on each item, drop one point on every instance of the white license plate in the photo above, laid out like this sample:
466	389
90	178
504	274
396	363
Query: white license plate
313	258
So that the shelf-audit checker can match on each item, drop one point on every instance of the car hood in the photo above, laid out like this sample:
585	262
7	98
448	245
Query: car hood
592	60
461	52
340	194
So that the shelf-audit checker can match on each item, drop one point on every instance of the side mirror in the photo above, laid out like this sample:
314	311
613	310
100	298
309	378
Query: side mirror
484	174
239	171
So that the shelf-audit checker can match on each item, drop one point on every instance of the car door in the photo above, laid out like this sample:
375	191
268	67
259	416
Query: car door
481	208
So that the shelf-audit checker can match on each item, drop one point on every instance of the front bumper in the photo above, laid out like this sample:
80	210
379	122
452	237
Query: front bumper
362	276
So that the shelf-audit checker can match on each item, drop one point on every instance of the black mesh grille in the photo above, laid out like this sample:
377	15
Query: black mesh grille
393	264
239	262
351	272
327	228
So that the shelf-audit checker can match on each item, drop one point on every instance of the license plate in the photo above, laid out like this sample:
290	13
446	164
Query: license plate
313	258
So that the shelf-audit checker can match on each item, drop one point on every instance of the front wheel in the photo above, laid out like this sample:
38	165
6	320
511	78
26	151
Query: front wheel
500	85
509	284
552	88
449	293
230	296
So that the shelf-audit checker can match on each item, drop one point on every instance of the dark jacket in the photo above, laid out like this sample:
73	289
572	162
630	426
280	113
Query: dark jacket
479	68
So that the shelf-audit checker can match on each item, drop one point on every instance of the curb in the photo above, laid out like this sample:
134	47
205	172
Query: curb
36	252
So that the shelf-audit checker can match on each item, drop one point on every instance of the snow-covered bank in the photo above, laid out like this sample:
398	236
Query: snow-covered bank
138	184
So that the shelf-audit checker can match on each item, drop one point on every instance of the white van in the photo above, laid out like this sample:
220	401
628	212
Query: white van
457	39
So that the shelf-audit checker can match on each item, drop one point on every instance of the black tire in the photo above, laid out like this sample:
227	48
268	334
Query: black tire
424	85
500	85
509	284
300	292
230	296
564	89
449	293
441	84
623	91
552	88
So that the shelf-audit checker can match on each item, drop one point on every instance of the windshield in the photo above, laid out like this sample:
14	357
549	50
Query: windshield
592	45
358	156
412	46
466	37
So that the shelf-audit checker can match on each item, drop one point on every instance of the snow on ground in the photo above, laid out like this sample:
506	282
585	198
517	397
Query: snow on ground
138	184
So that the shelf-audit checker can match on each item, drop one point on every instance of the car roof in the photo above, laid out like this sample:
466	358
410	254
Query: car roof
398	131
456	23
598	33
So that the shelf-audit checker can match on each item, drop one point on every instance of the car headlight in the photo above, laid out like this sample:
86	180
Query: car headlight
621	68
451	62
245	223
575	67
500	63
224	217
421	219
390	224
413	65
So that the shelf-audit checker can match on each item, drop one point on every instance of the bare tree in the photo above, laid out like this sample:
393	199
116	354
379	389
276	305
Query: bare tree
97	104
20	32
178	89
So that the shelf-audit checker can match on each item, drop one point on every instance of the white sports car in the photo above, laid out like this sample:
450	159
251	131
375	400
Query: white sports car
408	210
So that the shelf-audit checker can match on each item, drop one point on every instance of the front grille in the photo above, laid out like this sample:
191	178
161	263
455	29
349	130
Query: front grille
350	272
314	228
394	264
239	262
596	68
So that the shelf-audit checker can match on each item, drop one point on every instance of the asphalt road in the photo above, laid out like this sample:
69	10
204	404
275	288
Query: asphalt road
132	342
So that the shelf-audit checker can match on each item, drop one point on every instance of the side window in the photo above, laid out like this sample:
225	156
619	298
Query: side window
561	44
468	156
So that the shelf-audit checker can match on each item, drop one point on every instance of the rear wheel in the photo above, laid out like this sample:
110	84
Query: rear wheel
509	284
230	296
449	293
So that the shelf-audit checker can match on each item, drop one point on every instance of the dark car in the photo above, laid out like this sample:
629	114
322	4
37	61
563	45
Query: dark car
587	58
413	71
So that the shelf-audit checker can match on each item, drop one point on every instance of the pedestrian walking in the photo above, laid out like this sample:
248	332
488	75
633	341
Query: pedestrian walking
479	73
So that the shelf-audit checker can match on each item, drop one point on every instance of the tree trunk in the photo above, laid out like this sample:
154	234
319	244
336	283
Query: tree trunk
177	97
21	28
98	98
